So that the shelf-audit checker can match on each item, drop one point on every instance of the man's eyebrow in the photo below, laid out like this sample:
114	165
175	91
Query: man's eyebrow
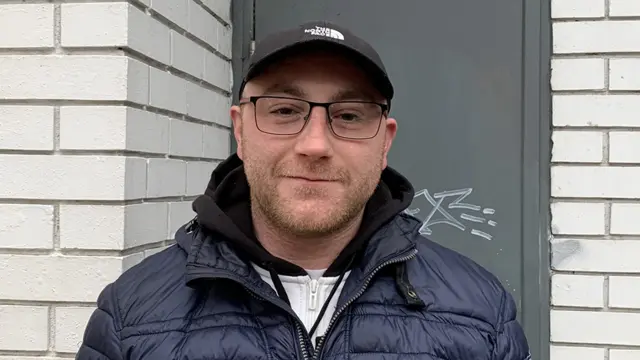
353	94
288	89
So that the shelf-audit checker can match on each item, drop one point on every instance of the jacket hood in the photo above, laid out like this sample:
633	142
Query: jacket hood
225	209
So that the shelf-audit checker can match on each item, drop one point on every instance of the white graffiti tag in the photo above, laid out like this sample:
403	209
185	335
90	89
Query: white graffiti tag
441	203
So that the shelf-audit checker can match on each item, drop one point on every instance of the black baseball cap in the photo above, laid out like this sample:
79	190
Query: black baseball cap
277	45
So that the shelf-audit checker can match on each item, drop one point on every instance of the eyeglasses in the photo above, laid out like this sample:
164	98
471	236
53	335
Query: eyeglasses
288	116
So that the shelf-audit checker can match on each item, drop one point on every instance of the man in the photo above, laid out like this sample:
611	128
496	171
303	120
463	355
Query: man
300	248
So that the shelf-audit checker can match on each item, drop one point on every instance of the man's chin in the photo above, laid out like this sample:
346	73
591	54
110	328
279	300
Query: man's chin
310	214
309	208
310	226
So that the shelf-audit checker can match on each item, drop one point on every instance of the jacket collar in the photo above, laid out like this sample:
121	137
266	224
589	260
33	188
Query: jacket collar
210	258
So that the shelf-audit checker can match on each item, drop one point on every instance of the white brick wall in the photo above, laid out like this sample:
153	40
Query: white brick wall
113	115
595	183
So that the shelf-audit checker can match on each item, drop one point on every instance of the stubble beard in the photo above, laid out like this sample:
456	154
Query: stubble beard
322	213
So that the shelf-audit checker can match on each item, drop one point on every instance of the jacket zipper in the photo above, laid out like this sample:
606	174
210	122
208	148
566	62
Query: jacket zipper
318	349
299	330
192	227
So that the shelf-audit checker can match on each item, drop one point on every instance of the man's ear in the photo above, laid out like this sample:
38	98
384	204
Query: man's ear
236	118
391	129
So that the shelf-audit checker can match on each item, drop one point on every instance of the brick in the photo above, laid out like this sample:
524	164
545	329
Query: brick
595	327
78	77
224	39
166	177
115	227
207	105
562	9
577	146
201	102
604	182
167	91
26	127
132	260
577	218
596	110
222	8
611	256
70	323
575	352
216	143
179	214
135	179
145	223
26	226
149	36
596	37
624	74
93	127
186	138
217	71
202	25
577	74
624	147
577	290
139	82
105	221
623	8
26	327
152	135
624	354
71	177
186	55
175	11
116	24
56	278
92	25
198	175
113	128
26	25
625	219
624	292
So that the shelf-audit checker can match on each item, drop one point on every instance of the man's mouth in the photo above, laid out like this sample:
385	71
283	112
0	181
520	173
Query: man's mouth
312	178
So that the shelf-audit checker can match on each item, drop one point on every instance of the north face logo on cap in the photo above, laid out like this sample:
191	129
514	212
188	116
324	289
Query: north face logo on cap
324	31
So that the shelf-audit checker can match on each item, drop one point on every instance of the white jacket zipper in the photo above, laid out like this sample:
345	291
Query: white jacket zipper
313	294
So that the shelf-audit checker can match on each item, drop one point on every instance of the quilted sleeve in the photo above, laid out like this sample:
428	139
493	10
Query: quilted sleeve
101	337
511	343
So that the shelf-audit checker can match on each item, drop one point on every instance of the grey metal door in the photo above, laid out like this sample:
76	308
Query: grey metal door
472	108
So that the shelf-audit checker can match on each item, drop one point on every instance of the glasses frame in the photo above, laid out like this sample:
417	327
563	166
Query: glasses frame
384	108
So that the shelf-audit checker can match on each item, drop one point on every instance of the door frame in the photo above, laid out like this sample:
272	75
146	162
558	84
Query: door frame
536	117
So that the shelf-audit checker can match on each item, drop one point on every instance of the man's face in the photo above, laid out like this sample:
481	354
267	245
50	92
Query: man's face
311	183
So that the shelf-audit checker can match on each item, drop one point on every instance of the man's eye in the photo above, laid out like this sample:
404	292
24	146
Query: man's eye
348	117
284	111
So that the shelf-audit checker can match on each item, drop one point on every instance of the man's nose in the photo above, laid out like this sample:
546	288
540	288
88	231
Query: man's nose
315	138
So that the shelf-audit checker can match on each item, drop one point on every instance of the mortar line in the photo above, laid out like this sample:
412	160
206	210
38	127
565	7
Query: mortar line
52	329
56	228
606	292
57	28
56	129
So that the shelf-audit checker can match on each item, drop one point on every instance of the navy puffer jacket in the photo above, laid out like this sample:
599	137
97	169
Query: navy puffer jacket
405	298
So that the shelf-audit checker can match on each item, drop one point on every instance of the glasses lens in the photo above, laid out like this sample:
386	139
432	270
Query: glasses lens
280	115
355	120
